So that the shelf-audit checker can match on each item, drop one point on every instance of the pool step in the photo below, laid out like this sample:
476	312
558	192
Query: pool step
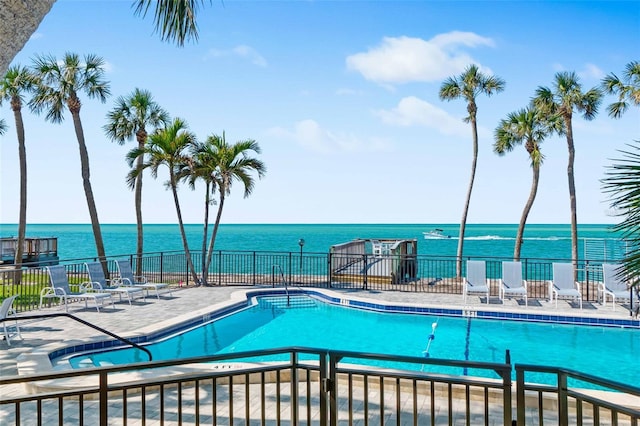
284	302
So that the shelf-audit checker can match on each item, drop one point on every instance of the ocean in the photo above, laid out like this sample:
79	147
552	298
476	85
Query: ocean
75	241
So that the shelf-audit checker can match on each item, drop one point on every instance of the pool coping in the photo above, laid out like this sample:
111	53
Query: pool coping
40	359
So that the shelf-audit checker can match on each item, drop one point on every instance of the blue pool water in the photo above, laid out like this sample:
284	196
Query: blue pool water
603	351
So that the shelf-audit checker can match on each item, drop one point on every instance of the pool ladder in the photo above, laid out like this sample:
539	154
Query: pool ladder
275	268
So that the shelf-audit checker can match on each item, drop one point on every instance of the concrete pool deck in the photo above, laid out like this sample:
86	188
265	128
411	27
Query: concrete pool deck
154	314
43	335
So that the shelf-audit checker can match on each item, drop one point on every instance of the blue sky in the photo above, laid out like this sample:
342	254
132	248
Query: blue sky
342	97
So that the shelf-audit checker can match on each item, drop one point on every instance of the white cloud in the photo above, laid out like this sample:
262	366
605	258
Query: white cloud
36	36
412	111
310	135
406	59
591	72
241	51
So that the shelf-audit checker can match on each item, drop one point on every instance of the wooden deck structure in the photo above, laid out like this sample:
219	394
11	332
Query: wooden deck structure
381	261
37	251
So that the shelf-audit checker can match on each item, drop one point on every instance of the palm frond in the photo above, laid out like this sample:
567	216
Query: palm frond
175	20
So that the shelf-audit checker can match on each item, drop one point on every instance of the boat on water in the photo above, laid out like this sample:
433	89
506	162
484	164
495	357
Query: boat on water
435	234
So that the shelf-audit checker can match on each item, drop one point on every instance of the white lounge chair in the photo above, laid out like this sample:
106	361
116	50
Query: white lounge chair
563	284
476	280
7	312
128	279
614	284
60	289
100	284
512	284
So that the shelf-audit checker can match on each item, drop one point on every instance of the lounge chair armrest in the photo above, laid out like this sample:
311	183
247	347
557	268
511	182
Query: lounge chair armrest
141	279
524	284
47	291
125	281
89	285
578	286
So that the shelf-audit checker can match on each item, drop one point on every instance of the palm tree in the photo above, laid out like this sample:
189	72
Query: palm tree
622	183
15	84
530	127
166	146
565	98
219	164
58	85
130	118
468	86
627	89
3	127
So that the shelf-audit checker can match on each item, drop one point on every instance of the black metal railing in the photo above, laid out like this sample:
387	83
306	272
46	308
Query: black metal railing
313	386
415	273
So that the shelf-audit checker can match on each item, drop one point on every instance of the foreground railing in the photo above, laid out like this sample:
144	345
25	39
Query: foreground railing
591	399
430	274
295	386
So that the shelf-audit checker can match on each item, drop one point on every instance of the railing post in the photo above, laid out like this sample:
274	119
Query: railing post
162	267
290	265
104	399
506	389
520	400
365	260
294	388
219	267
586	278
329	258
563	407
324	389
333	383
254	269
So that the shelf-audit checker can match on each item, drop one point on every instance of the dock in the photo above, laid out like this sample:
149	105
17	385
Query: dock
37	251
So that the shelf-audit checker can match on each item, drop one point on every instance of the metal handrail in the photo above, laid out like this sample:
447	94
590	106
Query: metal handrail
81	321
284	282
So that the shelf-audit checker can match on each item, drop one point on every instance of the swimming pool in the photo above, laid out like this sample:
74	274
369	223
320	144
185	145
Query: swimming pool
603	351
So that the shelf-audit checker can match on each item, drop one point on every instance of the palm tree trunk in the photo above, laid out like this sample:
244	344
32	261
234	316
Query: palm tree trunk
205	233
22	219
138	203
21	21
465	211
187	253
525	212
215	227
572	197
88	192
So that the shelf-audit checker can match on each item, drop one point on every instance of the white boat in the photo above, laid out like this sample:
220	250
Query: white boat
435	234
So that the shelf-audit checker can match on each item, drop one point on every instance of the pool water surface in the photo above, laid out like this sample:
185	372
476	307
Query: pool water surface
607	352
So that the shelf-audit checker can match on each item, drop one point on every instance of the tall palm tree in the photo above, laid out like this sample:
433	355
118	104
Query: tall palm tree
17	81
627	89
58	86
130	118
530	127
565	98
3	127
167	147
468	86
220	164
